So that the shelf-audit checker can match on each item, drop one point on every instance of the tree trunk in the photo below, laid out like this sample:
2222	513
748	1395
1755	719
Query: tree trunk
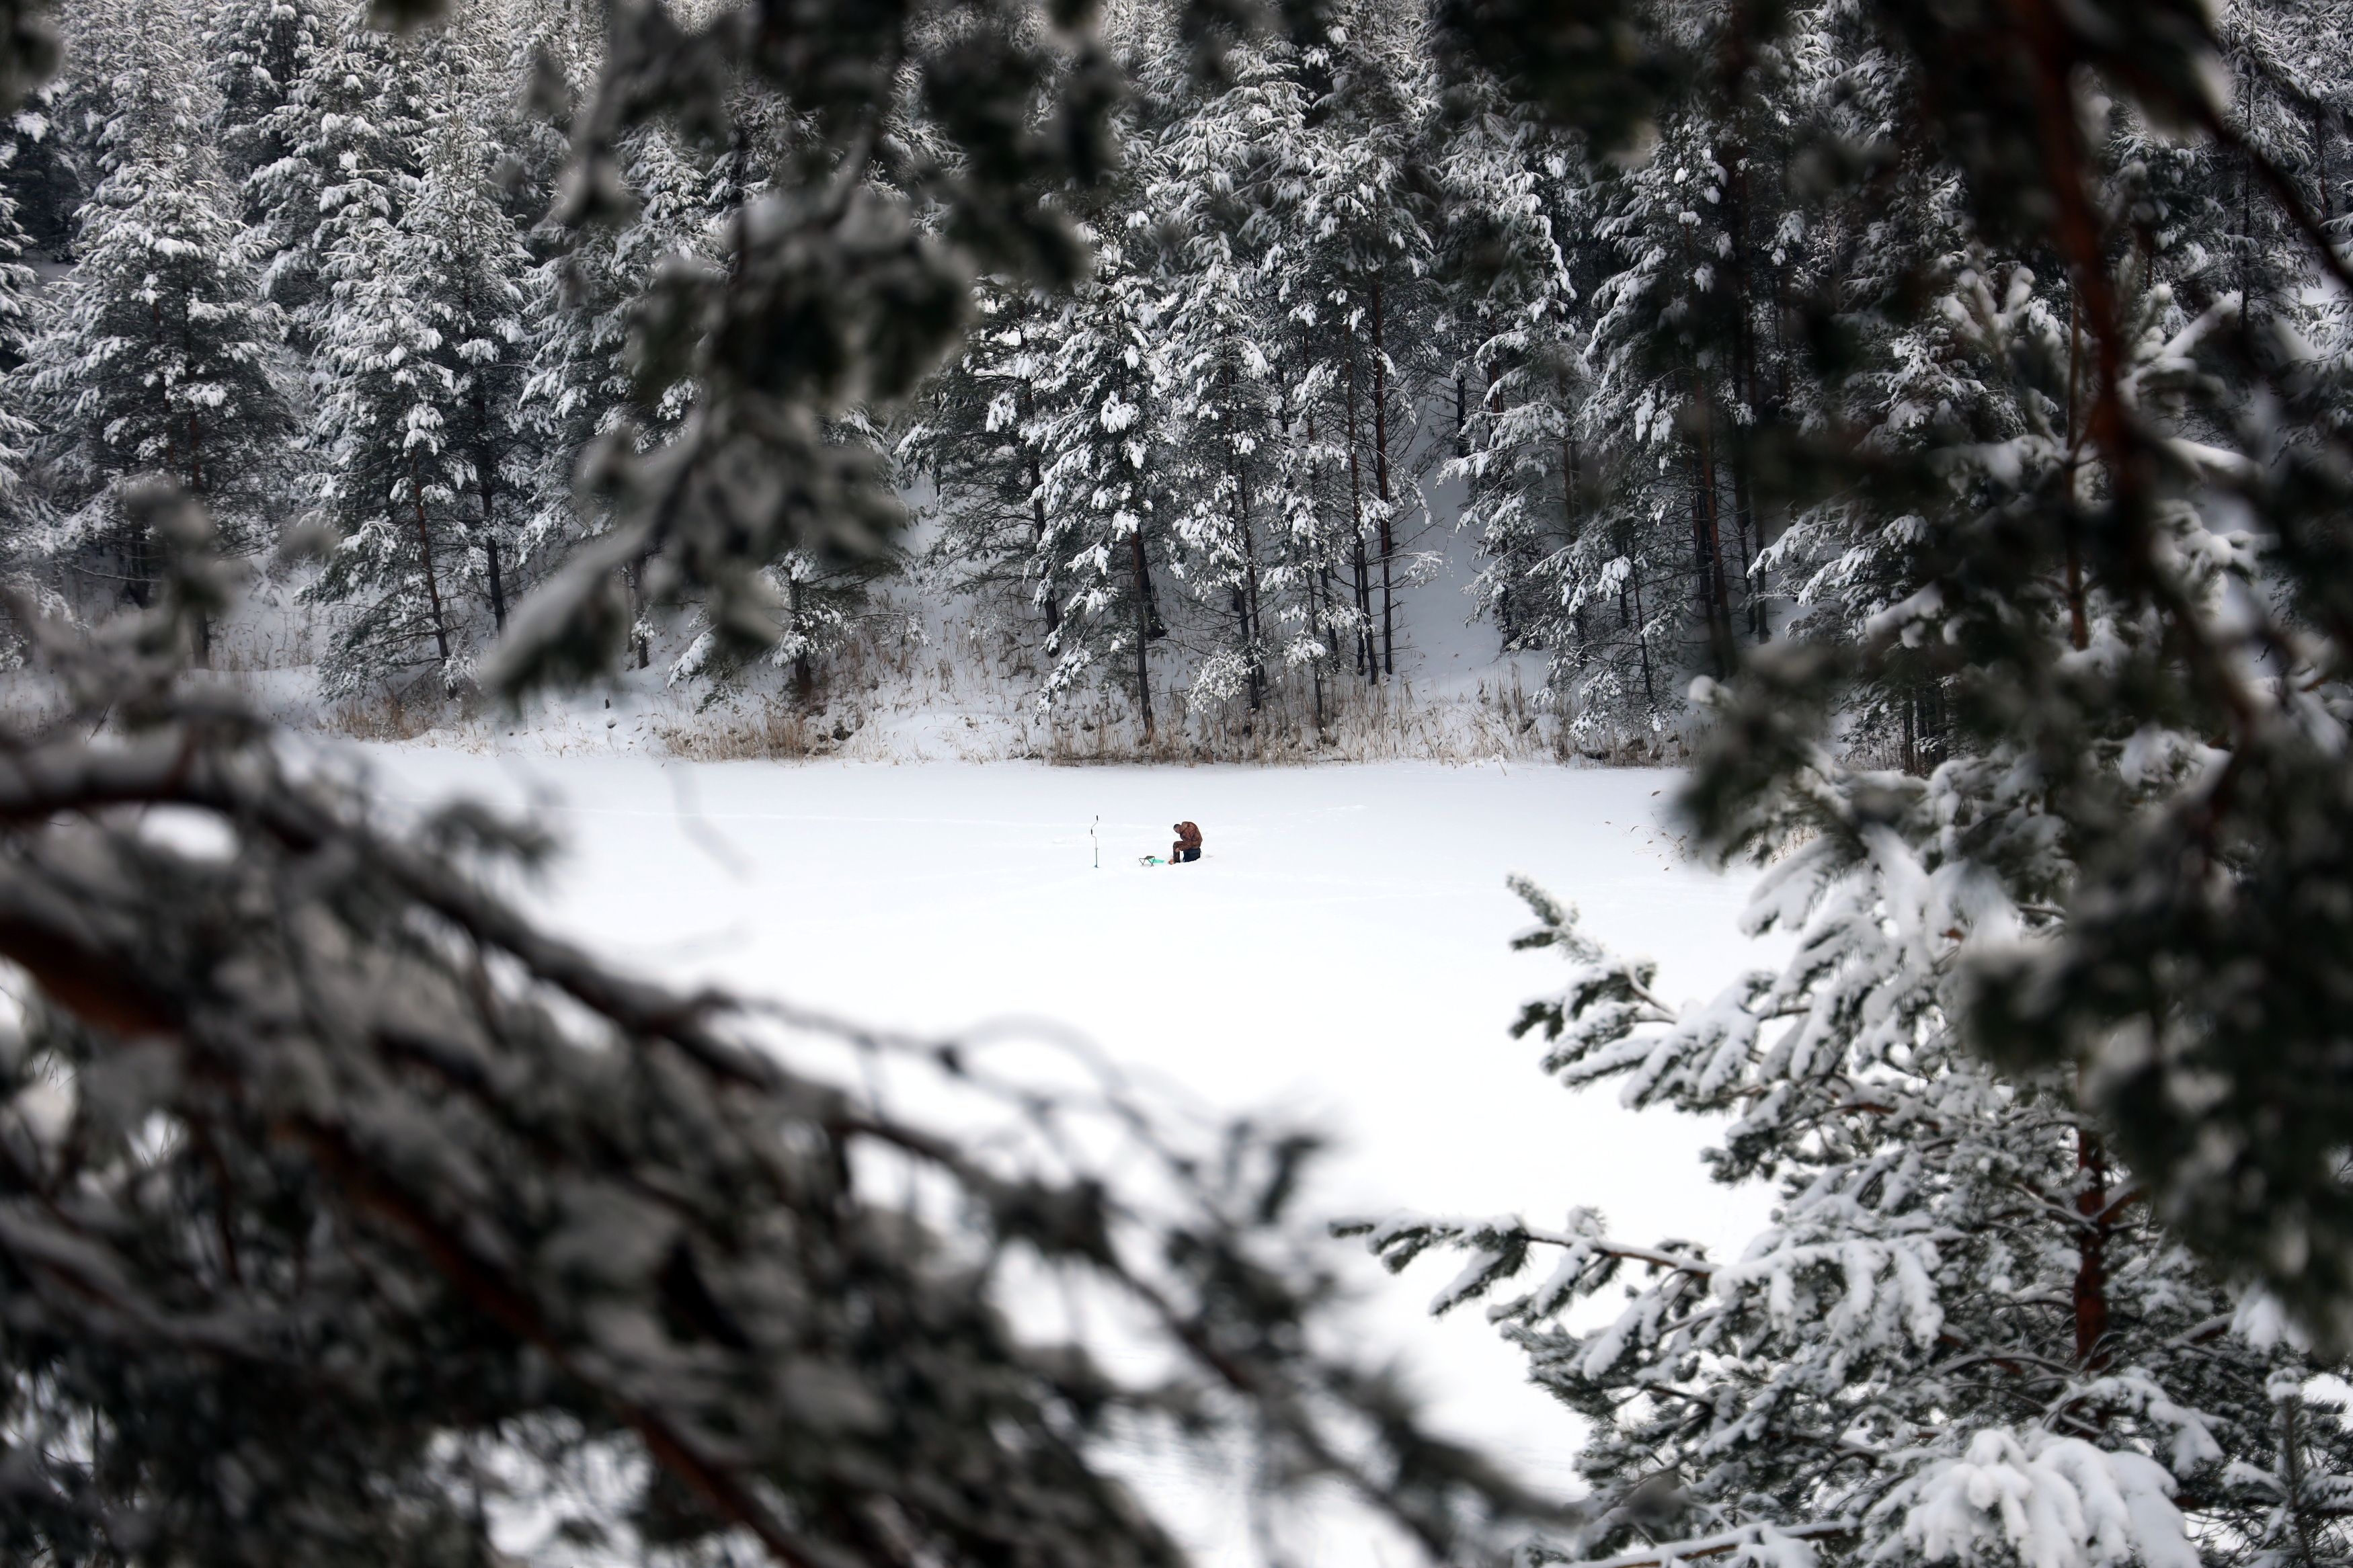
1318	603
1707	542
196	488
1642	644
1381	488
2079	628
1319	581
2091	1290
1743	521
1143	630
803	668
639	646
1365	666
1572	481
498	584
2091	1202
2300	1501
1745	381
1246	597
1719	602
1702	595
1572	473
1038	522
487	485
425	552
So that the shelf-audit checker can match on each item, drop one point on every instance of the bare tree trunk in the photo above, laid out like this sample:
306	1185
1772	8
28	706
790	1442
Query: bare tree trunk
2292	1471
1319	581
1572	471
1254	635
1365	665
1719	602
1381	487
1743	516
1143	631
1642	645
485	483
2091	1288
196	488
639	646
1702	597
2090	1294
804	667
1038	520
1319	599
425	551
1572	482
1707	545
1745	381
2079	626
498	583
1246	598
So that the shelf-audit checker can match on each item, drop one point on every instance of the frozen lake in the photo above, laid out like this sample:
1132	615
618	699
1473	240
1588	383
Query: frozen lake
1339	954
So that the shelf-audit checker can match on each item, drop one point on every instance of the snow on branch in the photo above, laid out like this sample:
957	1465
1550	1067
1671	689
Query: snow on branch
2046	1501
1760	1545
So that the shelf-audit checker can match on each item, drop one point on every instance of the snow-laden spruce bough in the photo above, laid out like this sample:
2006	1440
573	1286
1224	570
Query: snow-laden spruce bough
1962	1338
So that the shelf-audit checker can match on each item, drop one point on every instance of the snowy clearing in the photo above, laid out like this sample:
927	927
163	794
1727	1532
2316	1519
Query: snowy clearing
1341	953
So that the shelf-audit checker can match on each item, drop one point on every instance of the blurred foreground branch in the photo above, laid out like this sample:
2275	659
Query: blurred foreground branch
329	1182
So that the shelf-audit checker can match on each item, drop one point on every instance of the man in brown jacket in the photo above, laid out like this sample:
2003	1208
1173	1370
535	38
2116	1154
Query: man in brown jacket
1188	845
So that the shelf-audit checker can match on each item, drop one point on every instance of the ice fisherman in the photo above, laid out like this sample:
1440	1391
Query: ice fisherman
1189	844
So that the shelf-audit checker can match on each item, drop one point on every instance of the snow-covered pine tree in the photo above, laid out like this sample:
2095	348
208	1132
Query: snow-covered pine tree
530	68
256	51
1963	1336
2184	742
1686	262
1366	256
18	434
81	102
1104	396
979	439
337	1189
818	600
40	178
1905	380
820	604
485	269
587	385
1324	614
825	602
1048	440
1511	188
422	358
1269	558
1666	412
157	355
1222	160
352	128
813	599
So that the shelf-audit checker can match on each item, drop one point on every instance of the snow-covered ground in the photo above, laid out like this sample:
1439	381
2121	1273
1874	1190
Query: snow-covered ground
1340	953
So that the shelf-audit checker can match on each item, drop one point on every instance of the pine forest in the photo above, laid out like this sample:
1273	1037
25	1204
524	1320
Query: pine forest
603	603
